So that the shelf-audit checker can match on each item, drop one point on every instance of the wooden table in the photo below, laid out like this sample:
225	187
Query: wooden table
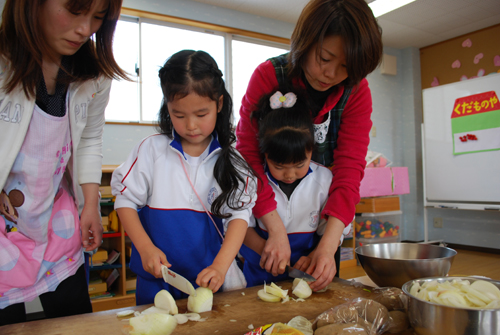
243	306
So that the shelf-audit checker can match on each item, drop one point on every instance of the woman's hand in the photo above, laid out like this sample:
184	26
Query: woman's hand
276	253
90	219
322	265
91	227
211	277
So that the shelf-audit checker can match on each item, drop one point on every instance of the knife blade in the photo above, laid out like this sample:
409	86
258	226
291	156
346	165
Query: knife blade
295	273
177	281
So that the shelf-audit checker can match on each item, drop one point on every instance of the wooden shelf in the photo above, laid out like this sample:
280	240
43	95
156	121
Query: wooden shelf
349	242
115	240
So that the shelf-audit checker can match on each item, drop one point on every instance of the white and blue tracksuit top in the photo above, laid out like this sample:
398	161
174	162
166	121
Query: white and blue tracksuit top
152	180
301	215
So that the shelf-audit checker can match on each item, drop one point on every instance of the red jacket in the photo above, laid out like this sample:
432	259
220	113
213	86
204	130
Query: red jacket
349	156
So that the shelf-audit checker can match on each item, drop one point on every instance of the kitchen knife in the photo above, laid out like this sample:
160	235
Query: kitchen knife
295	273
177	281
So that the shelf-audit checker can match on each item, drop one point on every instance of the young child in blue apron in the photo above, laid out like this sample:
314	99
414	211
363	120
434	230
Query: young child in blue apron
169	180
301	186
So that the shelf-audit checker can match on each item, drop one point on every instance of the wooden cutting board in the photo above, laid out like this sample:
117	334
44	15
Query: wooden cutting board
232	313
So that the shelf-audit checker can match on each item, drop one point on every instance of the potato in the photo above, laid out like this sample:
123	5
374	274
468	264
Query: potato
341	313
341	329
392	298
372	311
398	322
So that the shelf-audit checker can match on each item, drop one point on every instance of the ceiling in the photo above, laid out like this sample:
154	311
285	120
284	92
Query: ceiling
418	24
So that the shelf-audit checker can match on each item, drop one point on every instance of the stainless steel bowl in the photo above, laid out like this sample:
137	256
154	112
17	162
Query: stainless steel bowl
428	318
393	264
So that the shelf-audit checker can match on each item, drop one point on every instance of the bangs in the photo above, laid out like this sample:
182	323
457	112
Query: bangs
287	146
179	90
76	6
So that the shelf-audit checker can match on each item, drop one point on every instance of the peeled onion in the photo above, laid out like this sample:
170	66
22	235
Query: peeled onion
302	289
202	301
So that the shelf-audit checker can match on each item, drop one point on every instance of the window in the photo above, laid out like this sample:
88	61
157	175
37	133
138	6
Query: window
124	98
159	42
247	55
140	101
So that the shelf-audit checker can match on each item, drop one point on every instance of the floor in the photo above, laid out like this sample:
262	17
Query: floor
465	263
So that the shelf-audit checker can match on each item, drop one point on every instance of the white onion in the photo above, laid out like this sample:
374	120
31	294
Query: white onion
267	296
302	289
458	293
181	318
125	313
152	324
164	300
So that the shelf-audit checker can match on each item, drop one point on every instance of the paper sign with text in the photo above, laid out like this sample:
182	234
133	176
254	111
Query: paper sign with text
475	123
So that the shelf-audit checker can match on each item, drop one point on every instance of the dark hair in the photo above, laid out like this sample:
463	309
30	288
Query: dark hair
352	20
285	134
190	71
22	44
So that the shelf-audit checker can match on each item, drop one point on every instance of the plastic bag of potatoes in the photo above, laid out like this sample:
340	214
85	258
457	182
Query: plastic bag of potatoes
359	316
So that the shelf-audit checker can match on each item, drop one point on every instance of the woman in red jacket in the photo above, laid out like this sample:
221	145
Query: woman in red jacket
334	46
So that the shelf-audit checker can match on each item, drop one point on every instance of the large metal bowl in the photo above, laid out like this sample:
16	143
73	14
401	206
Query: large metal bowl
393	264
428	318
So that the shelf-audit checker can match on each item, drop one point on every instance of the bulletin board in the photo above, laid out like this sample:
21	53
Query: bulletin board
469	56
461	144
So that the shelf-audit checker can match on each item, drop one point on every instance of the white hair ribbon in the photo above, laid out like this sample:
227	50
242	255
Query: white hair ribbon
279	100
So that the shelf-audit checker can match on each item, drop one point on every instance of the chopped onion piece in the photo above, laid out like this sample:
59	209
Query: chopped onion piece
458	293
202	302
267	297
154	309
164	300
193	316
302	289
153	324
125	313
181	318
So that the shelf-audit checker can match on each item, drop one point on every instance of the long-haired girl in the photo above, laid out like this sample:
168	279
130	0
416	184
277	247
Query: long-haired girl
166	188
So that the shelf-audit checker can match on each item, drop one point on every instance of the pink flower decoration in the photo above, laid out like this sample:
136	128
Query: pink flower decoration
435	82
467	43
478	57
456	64
464	77
496	60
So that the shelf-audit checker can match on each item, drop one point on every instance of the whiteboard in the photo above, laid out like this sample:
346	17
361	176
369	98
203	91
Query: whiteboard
470	180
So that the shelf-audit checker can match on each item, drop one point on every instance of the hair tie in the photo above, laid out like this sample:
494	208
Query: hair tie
215	71
279	100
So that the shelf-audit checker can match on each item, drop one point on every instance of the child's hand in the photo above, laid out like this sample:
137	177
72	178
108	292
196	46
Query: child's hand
303	263
211	277
152	258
